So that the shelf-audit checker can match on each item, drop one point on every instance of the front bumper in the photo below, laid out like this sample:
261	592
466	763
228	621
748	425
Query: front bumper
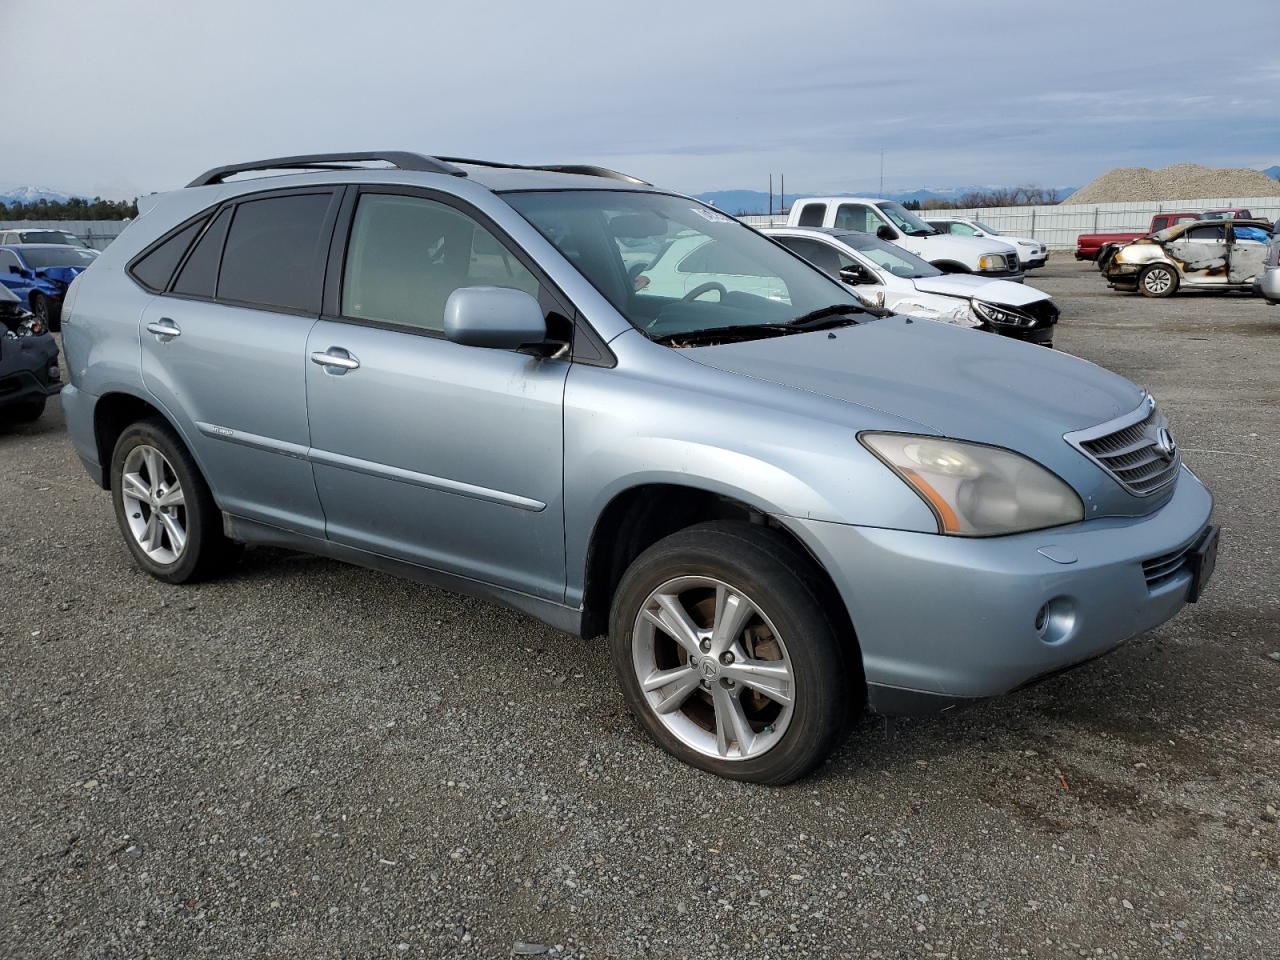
1017	276
945	619
28	369
1037	261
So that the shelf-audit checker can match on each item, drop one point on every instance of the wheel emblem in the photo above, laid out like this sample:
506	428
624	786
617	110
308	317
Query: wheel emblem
709	668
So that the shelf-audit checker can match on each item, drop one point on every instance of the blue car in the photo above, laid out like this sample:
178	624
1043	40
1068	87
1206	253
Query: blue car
39	274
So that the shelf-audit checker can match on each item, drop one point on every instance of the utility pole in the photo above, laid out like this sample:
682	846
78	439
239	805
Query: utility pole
782	194
771	195
882	171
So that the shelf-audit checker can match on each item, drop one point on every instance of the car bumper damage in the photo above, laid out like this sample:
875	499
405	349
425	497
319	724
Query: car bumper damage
941	620
28	368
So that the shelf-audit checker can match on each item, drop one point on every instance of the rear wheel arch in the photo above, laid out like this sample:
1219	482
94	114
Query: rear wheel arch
112	415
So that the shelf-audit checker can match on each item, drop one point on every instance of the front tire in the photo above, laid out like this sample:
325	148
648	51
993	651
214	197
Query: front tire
164	508
723	641
1158	280
43	310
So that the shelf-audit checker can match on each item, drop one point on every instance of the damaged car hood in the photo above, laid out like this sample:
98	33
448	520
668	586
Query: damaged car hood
1004	292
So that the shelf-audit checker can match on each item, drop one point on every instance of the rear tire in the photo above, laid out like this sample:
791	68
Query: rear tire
778	642
43	310
164	508
1158	280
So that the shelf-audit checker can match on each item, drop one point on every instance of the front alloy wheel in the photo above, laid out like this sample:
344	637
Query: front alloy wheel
713	668
733	653
1158	281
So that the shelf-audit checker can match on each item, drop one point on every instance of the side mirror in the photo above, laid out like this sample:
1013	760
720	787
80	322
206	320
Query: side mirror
14	268
887	232
854	275
495	317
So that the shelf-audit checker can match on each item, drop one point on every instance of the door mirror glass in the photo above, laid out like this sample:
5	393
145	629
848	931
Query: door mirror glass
887	232
855	275
496	317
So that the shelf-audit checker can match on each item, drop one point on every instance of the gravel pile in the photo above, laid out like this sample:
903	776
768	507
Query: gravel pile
1181	181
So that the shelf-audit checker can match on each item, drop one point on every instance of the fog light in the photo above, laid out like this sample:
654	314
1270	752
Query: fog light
1056	620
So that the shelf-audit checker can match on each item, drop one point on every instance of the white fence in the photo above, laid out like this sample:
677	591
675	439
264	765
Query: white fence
96	233
1058	226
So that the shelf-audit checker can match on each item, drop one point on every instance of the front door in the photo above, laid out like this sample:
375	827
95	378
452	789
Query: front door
1248	253
1201	253
424	450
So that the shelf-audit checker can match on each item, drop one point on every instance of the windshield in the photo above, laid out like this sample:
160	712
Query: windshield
890	256
52	236
905	220
673	266
65	256
984	228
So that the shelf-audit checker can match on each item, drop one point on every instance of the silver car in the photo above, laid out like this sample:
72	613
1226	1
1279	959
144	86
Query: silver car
1269	279
778	507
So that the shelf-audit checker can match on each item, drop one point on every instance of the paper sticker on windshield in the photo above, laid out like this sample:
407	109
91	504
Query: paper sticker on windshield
711	215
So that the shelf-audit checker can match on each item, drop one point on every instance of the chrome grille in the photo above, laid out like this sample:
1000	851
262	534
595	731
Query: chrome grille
1129	449
1160	570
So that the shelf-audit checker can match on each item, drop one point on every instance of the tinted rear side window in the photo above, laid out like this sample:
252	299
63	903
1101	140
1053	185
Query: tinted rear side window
155	269
274	254
811	214
199	274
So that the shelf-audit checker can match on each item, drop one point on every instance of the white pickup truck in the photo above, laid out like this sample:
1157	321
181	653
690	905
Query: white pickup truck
893	222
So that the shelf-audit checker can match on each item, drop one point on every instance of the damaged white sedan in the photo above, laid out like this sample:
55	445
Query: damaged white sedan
885	275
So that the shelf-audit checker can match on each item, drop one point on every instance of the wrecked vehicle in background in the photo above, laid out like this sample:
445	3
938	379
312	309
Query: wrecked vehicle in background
885	275
28	362
1196	255
48	268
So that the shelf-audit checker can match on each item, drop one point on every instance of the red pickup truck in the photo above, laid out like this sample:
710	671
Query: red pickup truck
1100	246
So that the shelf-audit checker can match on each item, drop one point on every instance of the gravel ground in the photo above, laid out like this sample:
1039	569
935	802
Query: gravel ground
313	760
1181	181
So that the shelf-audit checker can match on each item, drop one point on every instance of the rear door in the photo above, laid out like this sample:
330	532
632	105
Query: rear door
425	450
1201	253
223	350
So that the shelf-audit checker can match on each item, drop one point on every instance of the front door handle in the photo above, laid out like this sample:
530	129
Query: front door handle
165	330
336	357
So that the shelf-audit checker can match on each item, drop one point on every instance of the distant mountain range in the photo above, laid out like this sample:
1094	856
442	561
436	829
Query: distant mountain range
11	193
757	201
1273	172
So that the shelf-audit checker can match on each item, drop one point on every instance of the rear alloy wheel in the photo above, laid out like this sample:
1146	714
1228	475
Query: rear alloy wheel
721	638
165	511
1158	280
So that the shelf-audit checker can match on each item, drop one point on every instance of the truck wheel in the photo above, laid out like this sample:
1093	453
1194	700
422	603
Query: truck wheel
721	639
165	511
1158	280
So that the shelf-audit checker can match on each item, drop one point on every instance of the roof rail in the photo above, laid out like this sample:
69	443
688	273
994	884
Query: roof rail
583	169
400	159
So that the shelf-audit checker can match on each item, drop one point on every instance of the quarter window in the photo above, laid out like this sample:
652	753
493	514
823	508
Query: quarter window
274	253
155	269
408	254
199	275
811	214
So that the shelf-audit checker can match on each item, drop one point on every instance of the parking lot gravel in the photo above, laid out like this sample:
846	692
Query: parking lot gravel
310	760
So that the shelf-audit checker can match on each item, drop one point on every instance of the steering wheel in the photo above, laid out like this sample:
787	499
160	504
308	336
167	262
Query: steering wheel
702	288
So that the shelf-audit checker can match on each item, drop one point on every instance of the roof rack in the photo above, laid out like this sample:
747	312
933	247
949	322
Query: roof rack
582	169
400	159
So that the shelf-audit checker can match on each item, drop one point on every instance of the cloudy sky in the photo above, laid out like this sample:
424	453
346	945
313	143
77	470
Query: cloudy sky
128	96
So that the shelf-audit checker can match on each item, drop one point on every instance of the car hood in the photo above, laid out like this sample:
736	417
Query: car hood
937	243
1004	292
927	377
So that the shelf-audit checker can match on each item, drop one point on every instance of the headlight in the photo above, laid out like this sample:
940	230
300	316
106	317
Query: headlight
992	261
976	490
1028	243
1002	316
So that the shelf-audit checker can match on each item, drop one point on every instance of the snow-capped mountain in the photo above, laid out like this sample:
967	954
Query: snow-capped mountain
11	193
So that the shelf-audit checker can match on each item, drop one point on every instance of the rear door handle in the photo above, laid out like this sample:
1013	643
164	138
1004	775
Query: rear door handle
165	330
336	357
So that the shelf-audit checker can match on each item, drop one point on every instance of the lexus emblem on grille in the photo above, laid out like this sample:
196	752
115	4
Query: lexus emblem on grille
1165	445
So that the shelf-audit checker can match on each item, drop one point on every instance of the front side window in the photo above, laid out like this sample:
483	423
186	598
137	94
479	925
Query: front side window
274	253
407	254
890	257
905	220
745	280
962	229
1206	234
857	216
822	255
9	259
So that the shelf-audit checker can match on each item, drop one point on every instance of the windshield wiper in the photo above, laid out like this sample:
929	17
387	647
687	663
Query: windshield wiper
736	331
832	316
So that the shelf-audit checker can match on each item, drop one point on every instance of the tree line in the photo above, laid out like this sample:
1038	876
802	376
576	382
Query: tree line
77	208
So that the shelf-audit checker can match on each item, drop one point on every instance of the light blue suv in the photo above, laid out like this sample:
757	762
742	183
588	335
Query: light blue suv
778	507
